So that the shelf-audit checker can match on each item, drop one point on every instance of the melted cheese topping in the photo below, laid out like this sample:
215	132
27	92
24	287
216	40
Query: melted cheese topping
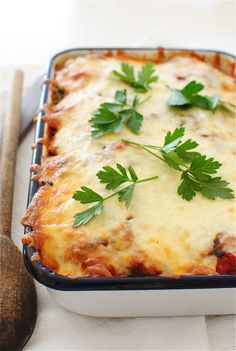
160	233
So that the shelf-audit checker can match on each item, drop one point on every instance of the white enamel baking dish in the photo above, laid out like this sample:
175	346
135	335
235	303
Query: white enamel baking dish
133	296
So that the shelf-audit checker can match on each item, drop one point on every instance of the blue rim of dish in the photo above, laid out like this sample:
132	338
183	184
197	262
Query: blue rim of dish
60	282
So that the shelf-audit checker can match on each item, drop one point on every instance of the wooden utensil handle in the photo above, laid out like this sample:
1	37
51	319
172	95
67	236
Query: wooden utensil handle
8	150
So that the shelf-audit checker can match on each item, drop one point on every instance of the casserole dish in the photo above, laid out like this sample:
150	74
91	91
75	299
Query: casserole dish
133	296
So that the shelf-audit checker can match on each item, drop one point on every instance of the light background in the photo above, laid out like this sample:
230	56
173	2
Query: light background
33	30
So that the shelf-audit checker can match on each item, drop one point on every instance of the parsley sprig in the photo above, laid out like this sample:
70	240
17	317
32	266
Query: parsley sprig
113	178
139	81
111	117
196	169
189	96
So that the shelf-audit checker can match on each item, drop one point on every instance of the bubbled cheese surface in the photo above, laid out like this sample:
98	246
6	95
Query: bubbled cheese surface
159	228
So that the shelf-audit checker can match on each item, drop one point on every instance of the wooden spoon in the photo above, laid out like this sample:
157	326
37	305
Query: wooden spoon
18	301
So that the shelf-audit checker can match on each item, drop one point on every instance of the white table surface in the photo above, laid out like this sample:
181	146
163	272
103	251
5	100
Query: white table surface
29	42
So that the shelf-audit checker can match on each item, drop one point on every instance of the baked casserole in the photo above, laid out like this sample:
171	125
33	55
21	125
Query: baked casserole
155	228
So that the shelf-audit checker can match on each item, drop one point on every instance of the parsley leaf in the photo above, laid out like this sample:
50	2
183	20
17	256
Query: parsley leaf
113	178
127	74
145	77
192	88
85	216
133	174
87	195
126	195
189	96
188	187
121	97
196	169
135	120
110	117
141	84
136	102
209	187
202	166
172	140
175	152
183	150
173	160
214	187
177	99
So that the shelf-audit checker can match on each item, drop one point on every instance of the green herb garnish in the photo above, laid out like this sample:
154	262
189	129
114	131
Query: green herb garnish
113	179
111	117
189	96
196	169
140	81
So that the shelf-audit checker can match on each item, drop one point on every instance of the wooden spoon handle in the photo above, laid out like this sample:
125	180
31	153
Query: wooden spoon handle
8	150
